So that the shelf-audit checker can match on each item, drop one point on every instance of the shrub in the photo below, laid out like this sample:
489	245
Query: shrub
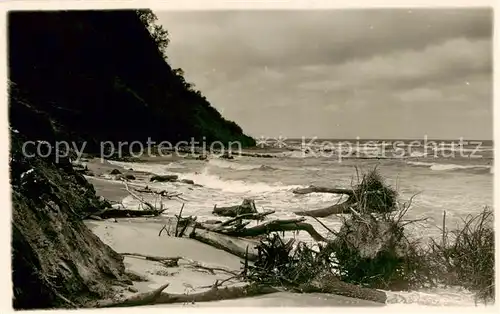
279	263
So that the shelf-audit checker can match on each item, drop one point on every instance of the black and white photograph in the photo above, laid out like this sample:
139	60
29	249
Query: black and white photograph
174	158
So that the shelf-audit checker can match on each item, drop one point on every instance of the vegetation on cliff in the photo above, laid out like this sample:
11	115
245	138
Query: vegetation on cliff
103	76
56	260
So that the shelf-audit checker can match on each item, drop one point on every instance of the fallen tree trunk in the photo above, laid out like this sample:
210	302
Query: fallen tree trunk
174	262
140	199
127	213
230	235
325	285
163	193
236	228
136	299
164	178
247	207
253	216
123	213
216	294
341	208
278	225
331	284
166	261
226	243
320	189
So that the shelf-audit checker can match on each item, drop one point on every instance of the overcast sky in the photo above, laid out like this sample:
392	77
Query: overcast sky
341	73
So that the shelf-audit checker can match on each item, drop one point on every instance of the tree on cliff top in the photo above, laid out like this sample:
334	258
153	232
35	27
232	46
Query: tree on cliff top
158	33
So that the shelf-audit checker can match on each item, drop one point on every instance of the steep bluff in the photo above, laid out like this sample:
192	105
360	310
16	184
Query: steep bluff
56	260
88	76
100	77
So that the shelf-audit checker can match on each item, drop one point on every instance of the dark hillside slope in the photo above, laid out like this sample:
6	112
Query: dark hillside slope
84	76
56	260
99	76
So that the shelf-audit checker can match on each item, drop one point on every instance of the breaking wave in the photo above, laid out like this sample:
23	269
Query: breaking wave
234	186
446	167
232	165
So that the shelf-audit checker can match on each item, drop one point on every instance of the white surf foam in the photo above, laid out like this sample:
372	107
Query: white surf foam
231	165
208	180
418	154
246	167
147	167
295	154
459	149
234	186
449	296
445	167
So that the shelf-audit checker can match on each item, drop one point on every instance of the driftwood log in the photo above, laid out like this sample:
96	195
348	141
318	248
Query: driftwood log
330	284
216	294
276	226
162	193
247	207
341	208
252	216
157	296
125	213
174	262
323	285
140	199
243	248
138	299
164	178
237	240
119	211
233	235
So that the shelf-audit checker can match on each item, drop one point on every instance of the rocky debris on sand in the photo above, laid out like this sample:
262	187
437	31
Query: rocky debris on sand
129	177
115	171
246	207
164	178
227	155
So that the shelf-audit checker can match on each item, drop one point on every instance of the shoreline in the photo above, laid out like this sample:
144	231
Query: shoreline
114	191
140	235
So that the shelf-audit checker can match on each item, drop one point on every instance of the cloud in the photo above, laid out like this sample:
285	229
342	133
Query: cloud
451	61
316	37
420	94
341	73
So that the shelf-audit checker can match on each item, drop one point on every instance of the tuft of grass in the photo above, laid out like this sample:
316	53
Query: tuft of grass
284	264
274	261
374	195
466	256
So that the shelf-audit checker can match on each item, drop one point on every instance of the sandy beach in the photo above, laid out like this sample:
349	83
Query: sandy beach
140	236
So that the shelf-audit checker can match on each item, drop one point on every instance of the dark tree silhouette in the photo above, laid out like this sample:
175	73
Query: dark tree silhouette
158	33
